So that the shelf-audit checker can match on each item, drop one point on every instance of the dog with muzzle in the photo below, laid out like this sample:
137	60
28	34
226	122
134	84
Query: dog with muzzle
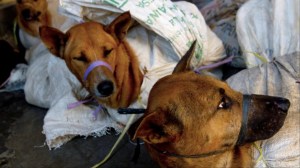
195	120
101	59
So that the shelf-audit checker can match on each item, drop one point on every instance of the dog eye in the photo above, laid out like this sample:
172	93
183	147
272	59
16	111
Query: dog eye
225	103
81	58
106	52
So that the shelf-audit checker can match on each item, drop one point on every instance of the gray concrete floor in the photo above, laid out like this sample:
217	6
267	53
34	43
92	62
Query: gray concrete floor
22	142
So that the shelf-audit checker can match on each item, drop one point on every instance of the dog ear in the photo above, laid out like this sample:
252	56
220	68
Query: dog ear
184	63
53	39
120	26
155	128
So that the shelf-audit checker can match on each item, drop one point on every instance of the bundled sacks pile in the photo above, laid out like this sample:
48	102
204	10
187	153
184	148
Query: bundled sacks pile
268	34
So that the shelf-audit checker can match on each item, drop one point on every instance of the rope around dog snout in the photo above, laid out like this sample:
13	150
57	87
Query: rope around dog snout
94	65
130	121
243	130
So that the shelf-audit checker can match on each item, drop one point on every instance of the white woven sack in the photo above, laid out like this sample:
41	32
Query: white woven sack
268	29
179	23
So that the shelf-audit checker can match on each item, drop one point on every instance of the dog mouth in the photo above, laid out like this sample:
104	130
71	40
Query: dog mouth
102	86
29	15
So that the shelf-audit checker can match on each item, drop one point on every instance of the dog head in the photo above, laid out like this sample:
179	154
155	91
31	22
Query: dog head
100	58
199	117
31	14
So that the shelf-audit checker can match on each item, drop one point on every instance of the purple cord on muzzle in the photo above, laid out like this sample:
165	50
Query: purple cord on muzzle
94	65
86	73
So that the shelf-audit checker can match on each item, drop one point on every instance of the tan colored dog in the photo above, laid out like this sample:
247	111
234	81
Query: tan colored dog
114	83
194	120
31	14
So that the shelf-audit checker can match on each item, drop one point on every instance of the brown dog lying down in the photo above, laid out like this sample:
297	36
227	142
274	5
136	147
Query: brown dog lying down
194	120
100	58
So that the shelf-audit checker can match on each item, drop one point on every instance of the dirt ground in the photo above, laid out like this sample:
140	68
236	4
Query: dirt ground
22	142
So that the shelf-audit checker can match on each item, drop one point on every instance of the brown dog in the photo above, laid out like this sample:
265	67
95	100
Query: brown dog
100	58
194	120
31	14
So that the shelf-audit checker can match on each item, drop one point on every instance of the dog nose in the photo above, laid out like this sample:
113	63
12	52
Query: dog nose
278	105
105	88
26	14
282	104
38	13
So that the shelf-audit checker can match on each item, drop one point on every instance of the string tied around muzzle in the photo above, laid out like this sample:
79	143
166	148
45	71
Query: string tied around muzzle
243	130
93	65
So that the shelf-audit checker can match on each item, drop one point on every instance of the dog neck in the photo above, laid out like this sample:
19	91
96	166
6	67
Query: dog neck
240	156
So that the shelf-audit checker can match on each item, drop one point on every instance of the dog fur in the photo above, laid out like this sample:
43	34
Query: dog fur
88	42
31	14
192	114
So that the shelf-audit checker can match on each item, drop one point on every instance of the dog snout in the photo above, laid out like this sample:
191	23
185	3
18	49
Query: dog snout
26	14
271	103
282	104
105	88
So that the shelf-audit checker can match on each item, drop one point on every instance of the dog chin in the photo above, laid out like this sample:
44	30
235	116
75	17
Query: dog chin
31	27
102	99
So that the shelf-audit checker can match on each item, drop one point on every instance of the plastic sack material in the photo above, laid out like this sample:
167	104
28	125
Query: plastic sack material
178	23
221	17
276	78
50	84
267	29
268	33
